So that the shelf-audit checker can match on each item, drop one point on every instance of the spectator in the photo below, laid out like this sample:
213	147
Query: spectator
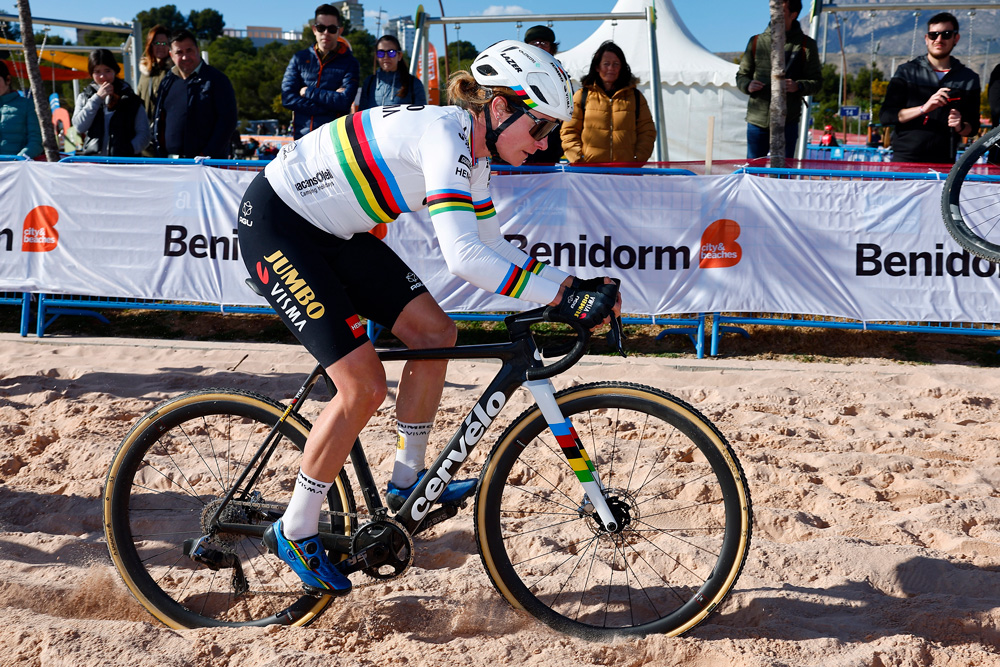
933	99
154	66
196	109
320	83
993	95
543	37
20	133
392	83
109	112
802	75
829	137
611	120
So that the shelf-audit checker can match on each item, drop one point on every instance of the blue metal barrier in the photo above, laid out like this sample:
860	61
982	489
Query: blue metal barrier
722	324
848	153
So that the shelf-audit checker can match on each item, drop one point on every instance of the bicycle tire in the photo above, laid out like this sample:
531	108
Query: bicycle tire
971	211
684	508
177	460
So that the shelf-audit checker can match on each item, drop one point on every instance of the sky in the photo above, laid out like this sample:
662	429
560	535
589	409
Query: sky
720	25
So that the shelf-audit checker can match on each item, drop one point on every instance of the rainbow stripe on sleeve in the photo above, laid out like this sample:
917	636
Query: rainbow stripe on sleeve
484	209
442	201
517	278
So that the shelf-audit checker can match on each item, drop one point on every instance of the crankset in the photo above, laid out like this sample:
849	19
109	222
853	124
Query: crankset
382	549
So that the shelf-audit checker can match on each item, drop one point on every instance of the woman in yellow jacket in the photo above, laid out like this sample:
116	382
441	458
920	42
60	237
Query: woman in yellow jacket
611	120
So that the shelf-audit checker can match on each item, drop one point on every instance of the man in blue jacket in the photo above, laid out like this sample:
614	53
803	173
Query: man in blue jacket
320	82
196	105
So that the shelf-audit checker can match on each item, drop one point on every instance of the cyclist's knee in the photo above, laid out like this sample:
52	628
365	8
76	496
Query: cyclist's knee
437	330
364	392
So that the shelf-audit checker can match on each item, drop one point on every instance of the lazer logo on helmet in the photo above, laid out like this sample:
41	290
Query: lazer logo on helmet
473	428
510	61
294	293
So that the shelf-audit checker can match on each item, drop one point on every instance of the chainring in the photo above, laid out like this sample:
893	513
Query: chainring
396	540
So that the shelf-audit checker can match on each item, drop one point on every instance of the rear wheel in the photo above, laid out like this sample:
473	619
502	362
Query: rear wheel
165	484
676	489
970	202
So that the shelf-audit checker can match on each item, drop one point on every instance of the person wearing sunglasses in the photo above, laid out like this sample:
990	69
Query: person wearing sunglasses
932	101
321	82
391	83
303	233
611	119
153	67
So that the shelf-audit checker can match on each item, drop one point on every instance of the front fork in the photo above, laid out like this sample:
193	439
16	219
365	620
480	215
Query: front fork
545	396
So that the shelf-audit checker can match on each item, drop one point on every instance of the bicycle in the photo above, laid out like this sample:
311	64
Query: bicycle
604	509
969	203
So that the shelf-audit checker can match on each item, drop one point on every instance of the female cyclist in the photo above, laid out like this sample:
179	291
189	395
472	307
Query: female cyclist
302	230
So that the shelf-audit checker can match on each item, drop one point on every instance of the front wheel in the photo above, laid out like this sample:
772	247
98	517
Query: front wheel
677	491
970	203
166	482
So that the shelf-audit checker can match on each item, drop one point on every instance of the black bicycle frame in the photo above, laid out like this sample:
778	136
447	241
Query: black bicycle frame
521	361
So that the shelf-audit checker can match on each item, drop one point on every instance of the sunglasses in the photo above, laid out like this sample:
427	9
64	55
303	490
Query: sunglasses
944	34
161	43
391	53
321	27
542	128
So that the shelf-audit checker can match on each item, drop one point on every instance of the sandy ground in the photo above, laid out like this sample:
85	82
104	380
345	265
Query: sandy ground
875	490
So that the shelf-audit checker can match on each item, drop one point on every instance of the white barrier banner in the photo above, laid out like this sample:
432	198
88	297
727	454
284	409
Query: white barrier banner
870	251
134	231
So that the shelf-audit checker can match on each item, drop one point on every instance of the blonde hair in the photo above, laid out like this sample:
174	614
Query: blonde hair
465	92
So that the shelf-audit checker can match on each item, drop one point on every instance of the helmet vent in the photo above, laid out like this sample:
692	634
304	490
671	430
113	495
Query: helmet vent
538	95
487	70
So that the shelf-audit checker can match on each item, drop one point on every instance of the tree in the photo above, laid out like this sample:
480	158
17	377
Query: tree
206	25
778	101
168	16
41	100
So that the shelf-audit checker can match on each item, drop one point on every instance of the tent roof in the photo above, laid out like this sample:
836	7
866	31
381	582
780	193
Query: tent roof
682	59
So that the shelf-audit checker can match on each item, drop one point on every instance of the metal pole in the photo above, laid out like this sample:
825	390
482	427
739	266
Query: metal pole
656	89
800	146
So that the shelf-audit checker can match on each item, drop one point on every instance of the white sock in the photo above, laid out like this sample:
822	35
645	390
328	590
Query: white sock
301	519
411	446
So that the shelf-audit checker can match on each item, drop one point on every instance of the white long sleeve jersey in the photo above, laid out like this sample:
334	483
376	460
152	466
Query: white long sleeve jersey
371	166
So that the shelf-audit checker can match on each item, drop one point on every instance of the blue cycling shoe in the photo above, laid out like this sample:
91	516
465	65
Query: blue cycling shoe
308	559
457	491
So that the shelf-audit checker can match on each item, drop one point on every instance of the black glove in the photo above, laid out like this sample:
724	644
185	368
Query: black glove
589	306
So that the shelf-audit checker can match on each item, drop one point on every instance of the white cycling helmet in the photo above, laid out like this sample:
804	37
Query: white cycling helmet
537	78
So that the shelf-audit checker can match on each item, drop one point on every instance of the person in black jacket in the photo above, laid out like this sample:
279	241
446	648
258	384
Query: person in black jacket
932	100
196	105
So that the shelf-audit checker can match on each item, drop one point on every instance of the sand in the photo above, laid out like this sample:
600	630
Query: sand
875	490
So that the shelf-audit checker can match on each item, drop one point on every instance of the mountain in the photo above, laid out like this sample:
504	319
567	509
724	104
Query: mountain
898	35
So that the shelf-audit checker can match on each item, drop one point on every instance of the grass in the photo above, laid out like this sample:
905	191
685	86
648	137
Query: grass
800	344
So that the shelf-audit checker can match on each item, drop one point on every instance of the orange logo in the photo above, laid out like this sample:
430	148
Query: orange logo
719	248
40	233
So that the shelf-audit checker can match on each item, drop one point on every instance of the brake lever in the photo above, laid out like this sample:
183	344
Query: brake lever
616	336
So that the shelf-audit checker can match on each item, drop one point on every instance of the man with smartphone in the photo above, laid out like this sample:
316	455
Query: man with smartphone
932	100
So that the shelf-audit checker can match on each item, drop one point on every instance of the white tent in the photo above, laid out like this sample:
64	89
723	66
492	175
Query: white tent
696	83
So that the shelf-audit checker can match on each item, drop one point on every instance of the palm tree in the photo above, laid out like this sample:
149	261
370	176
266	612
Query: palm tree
42	107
